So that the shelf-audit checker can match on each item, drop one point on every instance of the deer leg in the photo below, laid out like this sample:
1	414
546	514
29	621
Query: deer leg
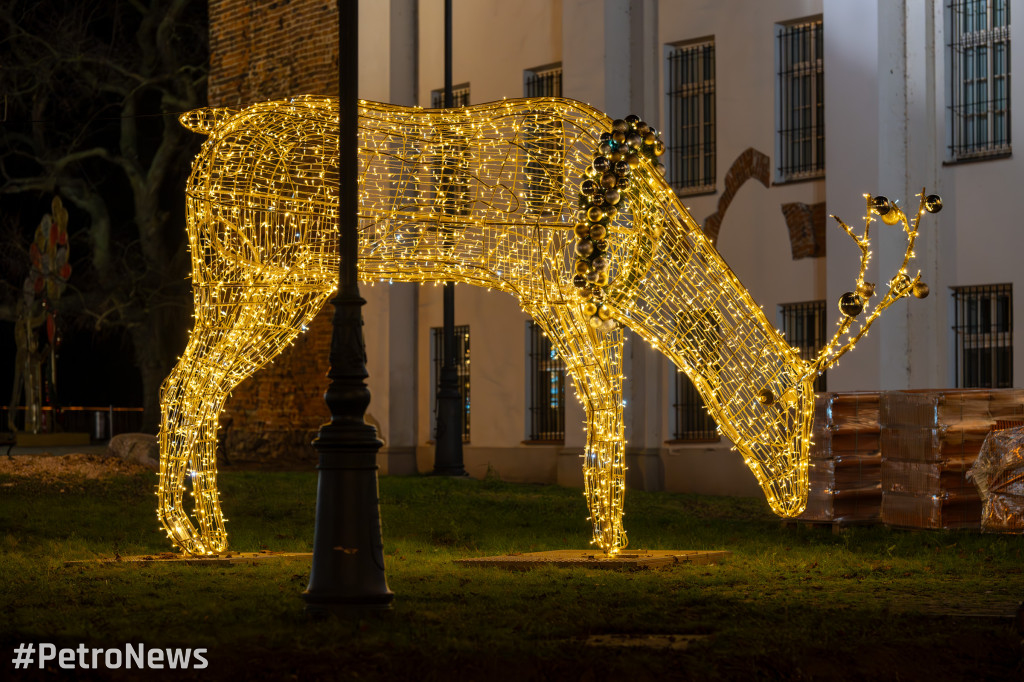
594	361
237	330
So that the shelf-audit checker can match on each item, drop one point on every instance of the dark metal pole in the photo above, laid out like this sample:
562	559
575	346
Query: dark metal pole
348	554
448	447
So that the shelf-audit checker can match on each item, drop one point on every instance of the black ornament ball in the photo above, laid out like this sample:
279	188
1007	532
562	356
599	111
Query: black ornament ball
933	203
880	205
850	304
612	196
579	281
632	120
634	140
601	245
602	164
766	397
598	232
621	167
619	126
609	180
605	137
588	187
584	248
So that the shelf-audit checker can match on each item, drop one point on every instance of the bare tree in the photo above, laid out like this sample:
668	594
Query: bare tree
92	89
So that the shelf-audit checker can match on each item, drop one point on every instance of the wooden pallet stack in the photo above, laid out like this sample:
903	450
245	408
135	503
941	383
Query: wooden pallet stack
845	463
929	441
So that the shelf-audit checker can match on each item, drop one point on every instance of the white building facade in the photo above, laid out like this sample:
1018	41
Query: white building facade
775	115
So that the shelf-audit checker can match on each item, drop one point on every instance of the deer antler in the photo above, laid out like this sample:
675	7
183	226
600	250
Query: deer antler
853	303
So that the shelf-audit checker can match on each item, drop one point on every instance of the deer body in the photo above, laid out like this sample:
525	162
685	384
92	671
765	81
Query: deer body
484	195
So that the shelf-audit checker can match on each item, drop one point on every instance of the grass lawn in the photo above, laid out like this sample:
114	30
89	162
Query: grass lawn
791	603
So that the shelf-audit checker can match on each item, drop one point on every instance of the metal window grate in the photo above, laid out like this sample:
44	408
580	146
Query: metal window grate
690	105
541	143
693	423
804	327
546	388
801	97
543	81
980	78
460	97
984	336
462	369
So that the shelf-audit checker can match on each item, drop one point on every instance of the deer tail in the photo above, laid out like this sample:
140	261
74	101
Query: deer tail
205	121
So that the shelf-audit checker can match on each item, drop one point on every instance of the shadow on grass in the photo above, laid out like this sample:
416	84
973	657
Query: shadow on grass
790	603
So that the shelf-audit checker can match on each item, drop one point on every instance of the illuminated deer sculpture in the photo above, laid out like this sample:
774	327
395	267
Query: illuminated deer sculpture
545	199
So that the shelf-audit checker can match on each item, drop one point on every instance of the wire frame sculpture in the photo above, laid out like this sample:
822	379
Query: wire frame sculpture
489	195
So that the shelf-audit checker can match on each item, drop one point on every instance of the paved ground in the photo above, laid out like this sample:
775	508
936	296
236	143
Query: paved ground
99	449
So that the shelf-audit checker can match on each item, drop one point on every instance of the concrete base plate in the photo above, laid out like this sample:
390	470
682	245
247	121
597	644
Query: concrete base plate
624	561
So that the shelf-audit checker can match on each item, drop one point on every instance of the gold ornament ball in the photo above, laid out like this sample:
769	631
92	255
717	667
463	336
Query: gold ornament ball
921	290
604	312
582	230
866	290
589	308
892	216
598	232
595	322
602	278
766	397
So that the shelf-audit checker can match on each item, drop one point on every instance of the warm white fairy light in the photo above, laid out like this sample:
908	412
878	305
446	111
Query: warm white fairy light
484	195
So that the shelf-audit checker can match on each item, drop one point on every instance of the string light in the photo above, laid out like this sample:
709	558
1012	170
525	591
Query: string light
484	195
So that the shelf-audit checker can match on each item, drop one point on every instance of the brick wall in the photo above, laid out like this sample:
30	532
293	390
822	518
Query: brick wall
262	50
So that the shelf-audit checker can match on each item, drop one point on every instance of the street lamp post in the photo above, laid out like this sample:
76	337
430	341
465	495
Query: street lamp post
348	555
448	446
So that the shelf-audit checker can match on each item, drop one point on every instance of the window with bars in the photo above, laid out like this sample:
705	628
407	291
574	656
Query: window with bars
980	78
543	81
460	96
690	107
450	163
804	327
692	422
461	368
984	336
540	138
546	388
800	143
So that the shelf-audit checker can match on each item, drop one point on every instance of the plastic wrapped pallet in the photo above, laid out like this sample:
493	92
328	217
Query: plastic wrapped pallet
845	464
998	474
929	441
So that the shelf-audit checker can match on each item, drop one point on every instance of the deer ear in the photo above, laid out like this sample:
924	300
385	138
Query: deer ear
205	121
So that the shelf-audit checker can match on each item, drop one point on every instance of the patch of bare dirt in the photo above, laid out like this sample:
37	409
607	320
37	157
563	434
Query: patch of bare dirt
49	468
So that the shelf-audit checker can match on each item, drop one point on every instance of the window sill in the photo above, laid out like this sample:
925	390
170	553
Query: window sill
975	158
694	441
544	442
797	179
687	192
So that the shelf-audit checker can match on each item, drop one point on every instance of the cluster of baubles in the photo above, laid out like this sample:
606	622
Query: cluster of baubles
851	304
603	194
